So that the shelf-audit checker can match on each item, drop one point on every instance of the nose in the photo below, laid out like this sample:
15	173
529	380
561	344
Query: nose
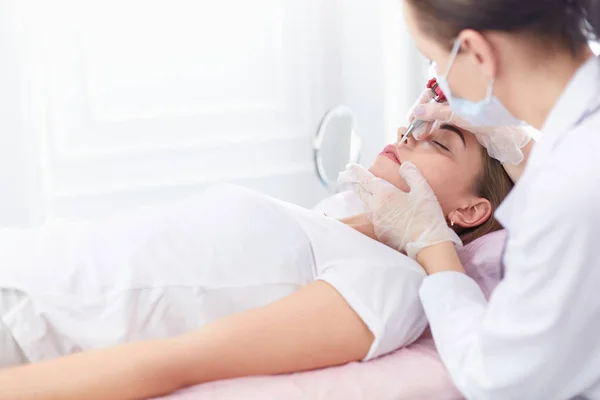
409	143
401	132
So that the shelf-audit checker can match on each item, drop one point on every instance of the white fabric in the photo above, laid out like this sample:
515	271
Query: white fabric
10	352
165	271
340	205
538	336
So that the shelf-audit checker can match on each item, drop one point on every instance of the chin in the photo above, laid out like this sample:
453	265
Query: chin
389	171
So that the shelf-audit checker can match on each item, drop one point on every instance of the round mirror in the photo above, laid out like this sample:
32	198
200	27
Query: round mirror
336	145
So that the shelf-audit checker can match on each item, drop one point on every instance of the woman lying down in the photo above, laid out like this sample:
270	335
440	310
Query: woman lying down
226	284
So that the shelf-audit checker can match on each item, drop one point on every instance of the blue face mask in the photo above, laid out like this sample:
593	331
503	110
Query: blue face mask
487	112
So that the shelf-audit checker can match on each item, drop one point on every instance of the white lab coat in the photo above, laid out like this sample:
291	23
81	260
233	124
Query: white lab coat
539	335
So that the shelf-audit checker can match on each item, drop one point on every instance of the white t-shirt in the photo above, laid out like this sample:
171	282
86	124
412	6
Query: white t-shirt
162	272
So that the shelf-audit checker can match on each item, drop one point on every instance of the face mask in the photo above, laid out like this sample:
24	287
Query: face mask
487	112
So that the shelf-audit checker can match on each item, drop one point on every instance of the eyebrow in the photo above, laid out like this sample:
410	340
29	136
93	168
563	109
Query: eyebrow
452	128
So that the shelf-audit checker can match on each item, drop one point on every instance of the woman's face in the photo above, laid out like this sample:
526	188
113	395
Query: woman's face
450	163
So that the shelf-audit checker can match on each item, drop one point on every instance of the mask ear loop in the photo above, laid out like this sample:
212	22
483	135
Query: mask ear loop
453	55
490	91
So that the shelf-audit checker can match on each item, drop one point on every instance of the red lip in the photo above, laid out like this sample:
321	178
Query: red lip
390	151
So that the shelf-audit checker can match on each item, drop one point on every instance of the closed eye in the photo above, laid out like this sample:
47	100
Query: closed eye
440	145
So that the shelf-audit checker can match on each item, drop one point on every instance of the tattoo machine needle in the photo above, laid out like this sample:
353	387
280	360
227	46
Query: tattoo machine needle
438	97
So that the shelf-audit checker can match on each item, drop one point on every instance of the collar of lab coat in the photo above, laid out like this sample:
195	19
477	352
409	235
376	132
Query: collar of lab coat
574	103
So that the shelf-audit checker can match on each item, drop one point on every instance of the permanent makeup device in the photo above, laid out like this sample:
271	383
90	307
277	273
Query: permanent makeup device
438	97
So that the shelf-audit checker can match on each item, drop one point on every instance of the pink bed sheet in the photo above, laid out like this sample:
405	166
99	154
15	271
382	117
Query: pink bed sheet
412	373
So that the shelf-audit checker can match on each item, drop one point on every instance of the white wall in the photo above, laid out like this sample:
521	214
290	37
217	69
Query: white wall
405	69
117	103
382	71
22	199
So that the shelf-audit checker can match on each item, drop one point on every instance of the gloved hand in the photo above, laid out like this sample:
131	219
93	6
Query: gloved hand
404	221
502	143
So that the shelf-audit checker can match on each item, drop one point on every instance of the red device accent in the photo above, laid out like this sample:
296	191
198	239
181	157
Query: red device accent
435	88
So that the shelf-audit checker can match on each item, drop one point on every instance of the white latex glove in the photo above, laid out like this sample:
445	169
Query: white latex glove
502	143
423	131
404	221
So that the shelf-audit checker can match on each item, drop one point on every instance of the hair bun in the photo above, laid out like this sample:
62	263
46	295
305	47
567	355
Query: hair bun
572	6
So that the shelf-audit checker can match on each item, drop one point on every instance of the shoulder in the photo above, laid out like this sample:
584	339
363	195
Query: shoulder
554	210
386	298
567	184
575	170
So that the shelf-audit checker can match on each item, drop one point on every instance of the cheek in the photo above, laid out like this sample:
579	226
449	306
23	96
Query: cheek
442	175
445	186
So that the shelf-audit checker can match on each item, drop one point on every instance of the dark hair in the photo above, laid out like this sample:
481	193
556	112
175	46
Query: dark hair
494	184
569	22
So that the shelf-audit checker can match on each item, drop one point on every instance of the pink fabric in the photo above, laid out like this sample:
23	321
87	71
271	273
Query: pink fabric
482	260
414	372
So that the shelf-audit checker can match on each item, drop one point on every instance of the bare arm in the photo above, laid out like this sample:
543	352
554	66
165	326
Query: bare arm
312	328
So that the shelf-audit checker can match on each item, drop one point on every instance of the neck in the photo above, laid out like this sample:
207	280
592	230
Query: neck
540	88
362	224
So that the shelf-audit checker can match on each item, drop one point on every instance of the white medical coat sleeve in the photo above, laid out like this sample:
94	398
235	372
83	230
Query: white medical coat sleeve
538	336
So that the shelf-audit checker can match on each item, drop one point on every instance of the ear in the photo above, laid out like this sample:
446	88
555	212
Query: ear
473	214
481	50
